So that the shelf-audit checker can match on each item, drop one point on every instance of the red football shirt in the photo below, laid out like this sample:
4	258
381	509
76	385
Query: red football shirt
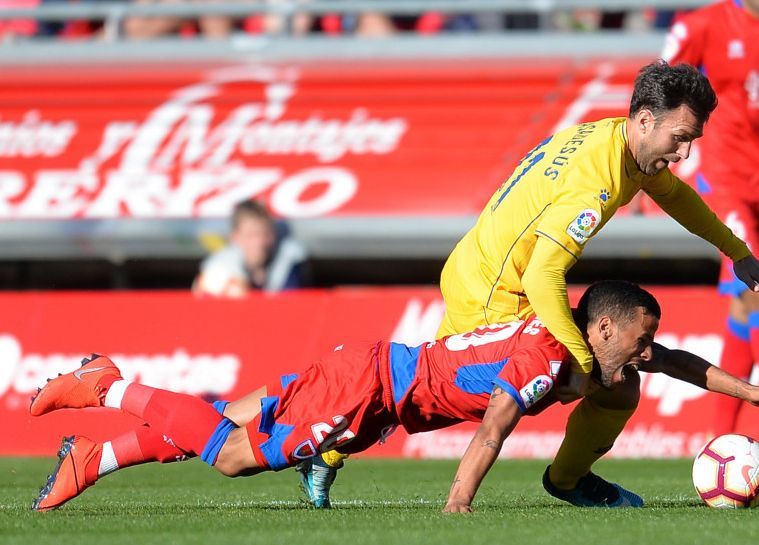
722	40
450	380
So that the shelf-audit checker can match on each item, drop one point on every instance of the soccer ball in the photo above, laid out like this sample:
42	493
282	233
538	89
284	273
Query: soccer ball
726	472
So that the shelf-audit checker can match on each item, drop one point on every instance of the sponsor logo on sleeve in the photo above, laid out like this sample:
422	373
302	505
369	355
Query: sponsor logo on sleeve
535	390
583	225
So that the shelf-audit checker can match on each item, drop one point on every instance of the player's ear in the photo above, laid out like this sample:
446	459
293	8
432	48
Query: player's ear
645	120
605	327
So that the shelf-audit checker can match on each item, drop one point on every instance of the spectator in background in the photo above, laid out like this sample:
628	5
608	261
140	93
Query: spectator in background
298	24
723	41
147	28
260	256
218	26
367	24
375	24
591	20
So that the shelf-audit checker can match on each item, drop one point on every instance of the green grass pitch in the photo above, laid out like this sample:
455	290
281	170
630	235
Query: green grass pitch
376	502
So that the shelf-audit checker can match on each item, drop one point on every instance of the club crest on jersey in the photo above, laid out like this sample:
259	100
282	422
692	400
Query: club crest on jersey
536	390
305	450
603	197
583	225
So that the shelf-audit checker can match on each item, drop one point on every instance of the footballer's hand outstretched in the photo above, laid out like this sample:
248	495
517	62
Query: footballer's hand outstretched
747	269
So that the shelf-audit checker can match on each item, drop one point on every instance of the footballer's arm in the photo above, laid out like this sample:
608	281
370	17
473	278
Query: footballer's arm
544	283
688	367
499	420
685	206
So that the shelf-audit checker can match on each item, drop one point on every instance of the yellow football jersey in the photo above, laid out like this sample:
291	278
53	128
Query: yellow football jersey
563	191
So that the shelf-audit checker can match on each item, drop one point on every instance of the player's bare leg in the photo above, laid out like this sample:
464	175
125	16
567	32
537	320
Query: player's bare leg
236	457
316	475
592	428
245	409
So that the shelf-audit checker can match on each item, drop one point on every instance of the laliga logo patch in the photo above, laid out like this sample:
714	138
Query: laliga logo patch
583	225
536	390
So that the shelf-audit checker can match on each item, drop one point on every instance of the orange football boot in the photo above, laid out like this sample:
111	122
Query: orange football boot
77	389
68	479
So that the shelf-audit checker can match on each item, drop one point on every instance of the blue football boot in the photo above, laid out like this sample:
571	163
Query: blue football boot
317	475
593	491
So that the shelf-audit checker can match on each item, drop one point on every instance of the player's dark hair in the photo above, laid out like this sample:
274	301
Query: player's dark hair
660	88
614	298
250	208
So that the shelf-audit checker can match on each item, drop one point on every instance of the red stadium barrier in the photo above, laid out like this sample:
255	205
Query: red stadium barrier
312	140
226	348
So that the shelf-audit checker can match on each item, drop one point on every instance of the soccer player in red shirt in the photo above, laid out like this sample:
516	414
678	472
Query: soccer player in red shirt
722	40
351	399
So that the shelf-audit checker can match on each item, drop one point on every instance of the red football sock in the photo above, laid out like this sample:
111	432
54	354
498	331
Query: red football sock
144	444
187	421
138	446
737	360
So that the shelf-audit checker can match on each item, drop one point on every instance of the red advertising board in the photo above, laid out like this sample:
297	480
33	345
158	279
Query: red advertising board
226	348
339	139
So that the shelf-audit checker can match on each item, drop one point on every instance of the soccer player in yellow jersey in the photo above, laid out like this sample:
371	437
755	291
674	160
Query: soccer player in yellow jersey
514	260
534	228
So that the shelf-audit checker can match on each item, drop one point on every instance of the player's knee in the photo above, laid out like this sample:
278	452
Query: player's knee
234	468
236	457
227	467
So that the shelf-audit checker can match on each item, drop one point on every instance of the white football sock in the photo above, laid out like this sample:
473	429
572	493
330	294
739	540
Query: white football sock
115	394
108	463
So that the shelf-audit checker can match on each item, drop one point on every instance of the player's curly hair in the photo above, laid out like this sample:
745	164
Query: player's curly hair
617	299
660	87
